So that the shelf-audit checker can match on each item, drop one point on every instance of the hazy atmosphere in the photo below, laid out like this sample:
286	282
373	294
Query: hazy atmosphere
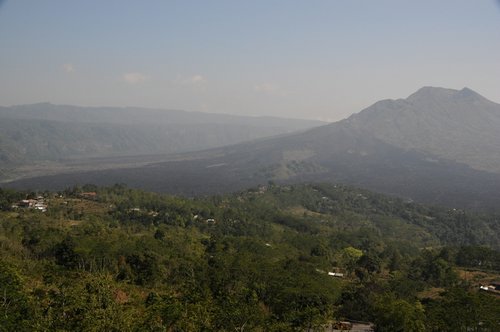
318	60
250	166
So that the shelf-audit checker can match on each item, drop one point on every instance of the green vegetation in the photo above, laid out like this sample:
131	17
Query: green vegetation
259	260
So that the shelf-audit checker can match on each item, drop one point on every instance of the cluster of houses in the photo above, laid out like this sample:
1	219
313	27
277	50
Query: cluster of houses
37	204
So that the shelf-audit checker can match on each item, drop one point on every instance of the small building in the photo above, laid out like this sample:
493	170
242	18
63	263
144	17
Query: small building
27	203
336	274
496	285
492	287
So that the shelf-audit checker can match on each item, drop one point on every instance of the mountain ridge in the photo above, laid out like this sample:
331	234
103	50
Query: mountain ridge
75	113
425	150
45	132
460	125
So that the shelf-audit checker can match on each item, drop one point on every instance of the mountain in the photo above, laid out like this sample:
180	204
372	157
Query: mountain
51	133
399	147
457	125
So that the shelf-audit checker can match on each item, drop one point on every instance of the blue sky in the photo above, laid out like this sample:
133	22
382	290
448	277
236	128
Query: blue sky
303	59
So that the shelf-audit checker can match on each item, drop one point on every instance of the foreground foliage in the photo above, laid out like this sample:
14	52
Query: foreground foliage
255	261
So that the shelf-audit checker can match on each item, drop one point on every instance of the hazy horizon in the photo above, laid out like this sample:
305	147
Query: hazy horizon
297	60
230	114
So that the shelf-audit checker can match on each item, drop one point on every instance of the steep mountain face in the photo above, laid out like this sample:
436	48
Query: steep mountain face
457	125
402	147
43	132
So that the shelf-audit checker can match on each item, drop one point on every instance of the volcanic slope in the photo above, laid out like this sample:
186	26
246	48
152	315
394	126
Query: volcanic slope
37	133
400	147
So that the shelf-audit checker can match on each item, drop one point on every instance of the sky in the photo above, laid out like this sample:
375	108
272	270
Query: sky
300	59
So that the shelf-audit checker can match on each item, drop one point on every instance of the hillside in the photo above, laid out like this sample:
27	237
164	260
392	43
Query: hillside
273	258
351	151
458	125
33	134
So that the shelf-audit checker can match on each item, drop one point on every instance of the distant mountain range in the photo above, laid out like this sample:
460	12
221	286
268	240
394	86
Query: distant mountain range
31	134
437	146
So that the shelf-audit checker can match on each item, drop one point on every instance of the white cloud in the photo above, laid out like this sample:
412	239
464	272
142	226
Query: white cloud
193	80
135	78
68	67
198	79
270	89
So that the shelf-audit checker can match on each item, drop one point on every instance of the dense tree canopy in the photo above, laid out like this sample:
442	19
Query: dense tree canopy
274	258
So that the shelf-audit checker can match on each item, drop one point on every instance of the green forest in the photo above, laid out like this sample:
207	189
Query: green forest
272	258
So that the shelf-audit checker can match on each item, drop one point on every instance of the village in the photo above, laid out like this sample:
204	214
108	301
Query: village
37	204
40	203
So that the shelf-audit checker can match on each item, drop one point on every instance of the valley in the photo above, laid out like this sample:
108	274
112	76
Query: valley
249	166
375	149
